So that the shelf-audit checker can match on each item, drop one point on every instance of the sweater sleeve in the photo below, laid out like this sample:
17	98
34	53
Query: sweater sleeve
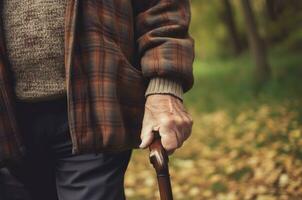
160	85
165	48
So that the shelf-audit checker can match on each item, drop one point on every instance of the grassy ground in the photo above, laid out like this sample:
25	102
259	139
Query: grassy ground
242	146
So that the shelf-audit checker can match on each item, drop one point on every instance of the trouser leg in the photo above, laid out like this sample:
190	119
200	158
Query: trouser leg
51	171
38	179
10	188
36	171
91	177
87	176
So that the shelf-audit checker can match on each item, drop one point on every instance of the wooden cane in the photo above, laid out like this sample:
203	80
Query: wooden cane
159	159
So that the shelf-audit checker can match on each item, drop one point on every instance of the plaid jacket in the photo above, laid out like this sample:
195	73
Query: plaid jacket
112	50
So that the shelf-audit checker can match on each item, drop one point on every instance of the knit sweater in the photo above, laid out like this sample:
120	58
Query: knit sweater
34	34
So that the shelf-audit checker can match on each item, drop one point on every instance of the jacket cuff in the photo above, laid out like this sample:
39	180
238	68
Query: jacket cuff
159	85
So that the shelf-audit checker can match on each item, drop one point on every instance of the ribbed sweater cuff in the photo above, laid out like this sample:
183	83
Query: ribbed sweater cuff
159	85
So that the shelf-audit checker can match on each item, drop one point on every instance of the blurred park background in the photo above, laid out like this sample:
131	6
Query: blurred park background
246	141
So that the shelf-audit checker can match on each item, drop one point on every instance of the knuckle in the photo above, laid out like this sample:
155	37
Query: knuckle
190	121
179	121
186	122
166	121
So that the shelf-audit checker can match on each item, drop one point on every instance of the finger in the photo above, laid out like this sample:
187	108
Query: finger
179	129
180	136
181	113
186	126
147	137
187	129
169	138
190	125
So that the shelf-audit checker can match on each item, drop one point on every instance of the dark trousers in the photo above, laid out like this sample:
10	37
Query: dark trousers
50	171
11	188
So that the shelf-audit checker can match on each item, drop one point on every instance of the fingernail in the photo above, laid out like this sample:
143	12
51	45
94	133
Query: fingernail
141	145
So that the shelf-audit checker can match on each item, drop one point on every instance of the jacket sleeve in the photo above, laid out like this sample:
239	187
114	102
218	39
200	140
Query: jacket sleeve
164	45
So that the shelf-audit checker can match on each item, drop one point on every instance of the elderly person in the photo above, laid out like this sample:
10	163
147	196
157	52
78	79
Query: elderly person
83	83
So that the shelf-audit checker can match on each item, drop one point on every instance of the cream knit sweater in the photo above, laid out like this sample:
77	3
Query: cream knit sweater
34	32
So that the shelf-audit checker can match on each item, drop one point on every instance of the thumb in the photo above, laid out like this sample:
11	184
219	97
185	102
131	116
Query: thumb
147	136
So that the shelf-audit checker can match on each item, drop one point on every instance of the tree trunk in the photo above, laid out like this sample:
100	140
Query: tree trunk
257	46
271	9
228	18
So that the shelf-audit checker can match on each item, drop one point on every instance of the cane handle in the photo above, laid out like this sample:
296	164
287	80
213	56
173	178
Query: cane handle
158	155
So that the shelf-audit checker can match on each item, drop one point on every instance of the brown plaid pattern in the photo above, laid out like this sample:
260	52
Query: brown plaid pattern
112	49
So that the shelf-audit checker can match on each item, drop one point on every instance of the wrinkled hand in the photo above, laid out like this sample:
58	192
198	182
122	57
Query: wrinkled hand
166	114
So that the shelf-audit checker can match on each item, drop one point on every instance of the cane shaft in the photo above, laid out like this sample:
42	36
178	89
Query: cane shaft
159	160
165	189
